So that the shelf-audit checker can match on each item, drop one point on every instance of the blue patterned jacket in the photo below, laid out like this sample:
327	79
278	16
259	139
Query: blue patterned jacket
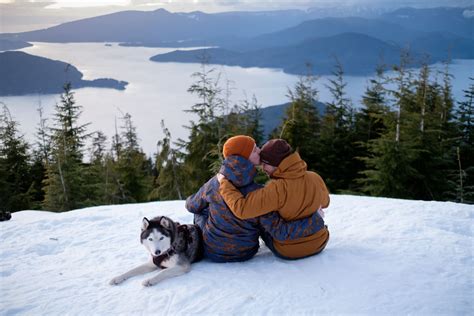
227	238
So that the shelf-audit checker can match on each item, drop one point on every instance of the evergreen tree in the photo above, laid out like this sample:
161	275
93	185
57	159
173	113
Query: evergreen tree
15	178
168	182
133	169
403	94
433	106
390	161
416	164
249	121
43	138
428	126
64	183
96	173
301	124
447	106
389	167
41	160
464	177
369	121
337	162
201	154
37	174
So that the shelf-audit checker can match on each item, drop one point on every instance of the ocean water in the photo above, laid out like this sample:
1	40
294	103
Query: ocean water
158	91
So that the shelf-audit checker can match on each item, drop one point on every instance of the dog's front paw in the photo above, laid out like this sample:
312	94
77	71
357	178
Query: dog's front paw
148	283
116	281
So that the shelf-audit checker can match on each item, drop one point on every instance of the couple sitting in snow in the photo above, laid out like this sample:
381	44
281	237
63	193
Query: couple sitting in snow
233	211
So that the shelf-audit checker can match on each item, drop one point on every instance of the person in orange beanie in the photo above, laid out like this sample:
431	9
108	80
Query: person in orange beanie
242	145
227	238
293	191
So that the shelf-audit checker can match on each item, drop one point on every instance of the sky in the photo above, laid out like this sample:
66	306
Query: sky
26	15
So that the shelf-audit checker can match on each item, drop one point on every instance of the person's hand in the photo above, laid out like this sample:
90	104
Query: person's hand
321	212
220	177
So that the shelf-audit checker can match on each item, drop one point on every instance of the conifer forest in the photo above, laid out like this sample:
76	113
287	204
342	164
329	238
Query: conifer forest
409	138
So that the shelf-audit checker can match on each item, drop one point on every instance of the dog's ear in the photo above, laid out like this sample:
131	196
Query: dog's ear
166	222
145	223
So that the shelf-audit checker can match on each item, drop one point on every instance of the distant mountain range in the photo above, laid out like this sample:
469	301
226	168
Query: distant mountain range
458	21
280	39
27	74
162	28
326	27
358	54
286	40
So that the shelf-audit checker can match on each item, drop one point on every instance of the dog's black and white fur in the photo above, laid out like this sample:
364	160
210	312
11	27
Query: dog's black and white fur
173	247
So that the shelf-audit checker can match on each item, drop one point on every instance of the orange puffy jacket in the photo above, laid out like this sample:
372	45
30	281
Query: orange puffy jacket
295	193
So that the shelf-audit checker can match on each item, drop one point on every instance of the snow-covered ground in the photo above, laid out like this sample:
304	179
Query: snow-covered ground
385	256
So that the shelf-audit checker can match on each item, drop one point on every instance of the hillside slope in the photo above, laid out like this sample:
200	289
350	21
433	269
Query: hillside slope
385	256
23	73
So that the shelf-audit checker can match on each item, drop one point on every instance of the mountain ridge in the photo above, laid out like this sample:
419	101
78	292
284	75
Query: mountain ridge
319	52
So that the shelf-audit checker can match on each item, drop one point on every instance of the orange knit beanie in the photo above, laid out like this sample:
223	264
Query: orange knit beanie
239	145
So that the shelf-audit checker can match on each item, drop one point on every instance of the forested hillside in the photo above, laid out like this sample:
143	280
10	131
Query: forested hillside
410	139
23	73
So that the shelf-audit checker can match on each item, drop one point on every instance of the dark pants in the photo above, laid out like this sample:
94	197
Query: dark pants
201	219
267	238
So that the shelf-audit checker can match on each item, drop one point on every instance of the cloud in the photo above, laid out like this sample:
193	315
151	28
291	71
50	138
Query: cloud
25	4
89	3
38	4
22	15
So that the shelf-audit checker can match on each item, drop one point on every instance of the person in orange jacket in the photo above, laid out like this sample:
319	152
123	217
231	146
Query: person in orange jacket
293	191
227	238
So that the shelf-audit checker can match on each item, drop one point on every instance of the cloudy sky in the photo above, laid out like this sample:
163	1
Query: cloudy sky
24	15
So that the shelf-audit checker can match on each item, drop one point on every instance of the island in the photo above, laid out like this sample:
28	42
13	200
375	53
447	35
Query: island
24	74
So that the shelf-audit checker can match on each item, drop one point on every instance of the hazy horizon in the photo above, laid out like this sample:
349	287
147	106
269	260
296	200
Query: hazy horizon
25	15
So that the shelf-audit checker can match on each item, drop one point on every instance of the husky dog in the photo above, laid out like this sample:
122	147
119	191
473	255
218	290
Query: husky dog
173	247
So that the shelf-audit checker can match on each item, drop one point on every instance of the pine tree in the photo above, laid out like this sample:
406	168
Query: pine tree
15	178
133	170
301	124
464	180
168	182
201	154
64	183
37	174
97	180
337	162
436	135
249	121
43	138
369	121
389	165
428	126
41	160
403	94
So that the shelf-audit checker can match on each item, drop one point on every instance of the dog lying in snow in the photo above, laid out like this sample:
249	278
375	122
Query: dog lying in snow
173	247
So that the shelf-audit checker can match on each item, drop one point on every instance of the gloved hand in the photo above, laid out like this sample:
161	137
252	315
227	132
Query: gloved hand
220	177
321	212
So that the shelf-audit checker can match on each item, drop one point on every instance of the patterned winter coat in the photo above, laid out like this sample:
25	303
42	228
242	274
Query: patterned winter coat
227	238
296	193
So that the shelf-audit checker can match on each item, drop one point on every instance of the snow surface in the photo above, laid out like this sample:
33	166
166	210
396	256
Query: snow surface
385	256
